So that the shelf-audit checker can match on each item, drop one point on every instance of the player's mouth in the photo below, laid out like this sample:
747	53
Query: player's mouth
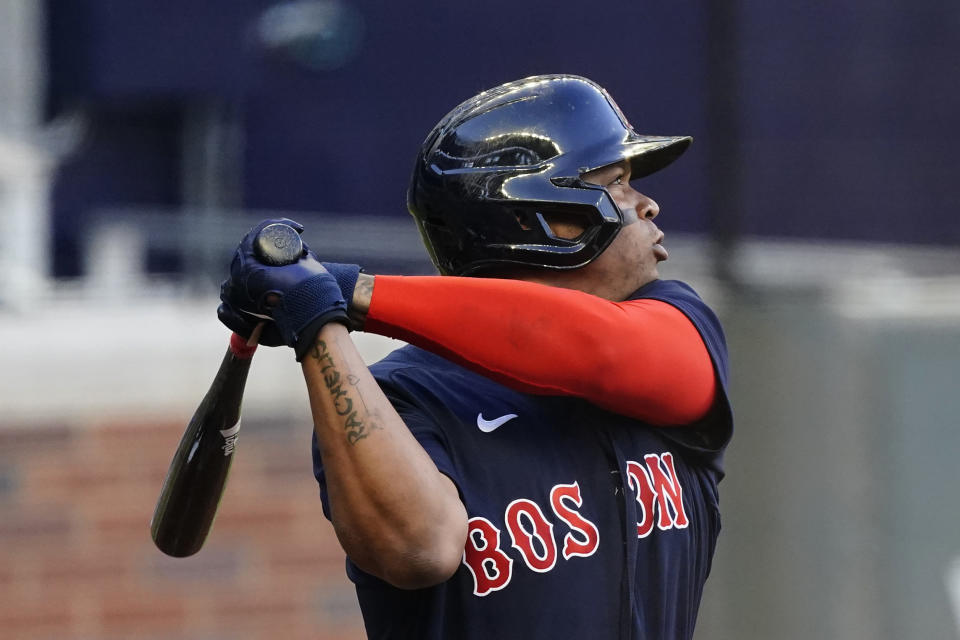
659	251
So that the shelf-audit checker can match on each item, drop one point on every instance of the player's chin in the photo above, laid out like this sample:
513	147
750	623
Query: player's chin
652	260
648	273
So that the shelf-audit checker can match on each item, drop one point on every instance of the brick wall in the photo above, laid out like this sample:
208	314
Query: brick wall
77	561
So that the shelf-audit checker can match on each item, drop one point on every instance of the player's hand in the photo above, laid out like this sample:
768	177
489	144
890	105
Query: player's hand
243	325
298	298
346	276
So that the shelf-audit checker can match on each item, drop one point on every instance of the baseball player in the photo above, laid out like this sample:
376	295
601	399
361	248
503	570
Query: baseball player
542	459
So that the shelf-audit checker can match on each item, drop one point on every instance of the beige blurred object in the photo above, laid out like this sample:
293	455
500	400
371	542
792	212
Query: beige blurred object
952	579
29	152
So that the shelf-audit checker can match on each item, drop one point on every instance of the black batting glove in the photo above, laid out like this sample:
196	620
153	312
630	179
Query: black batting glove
346	276
296	300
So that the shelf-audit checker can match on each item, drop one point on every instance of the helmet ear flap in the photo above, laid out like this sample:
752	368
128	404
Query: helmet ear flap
563	228
539	223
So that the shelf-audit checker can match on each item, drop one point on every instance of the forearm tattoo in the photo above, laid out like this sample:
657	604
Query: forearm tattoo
346	396
360	303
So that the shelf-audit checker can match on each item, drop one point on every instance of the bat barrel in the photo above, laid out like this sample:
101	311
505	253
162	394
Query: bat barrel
198	473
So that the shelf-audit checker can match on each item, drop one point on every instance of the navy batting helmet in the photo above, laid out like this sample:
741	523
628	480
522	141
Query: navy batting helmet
492	168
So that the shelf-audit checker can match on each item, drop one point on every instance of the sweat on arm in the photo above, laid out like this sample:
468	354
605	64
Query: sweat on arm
639	358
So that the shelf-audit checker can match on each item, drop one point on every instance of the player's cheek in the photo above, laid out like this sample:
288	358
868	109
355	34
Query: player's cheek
628	213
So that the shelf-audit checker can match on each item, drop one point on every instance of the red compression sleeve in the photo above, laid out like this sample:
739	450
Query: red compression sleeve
640	358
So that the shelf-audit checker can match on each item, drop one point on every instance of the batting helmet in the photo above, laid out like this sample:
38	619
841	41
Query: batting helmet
491	168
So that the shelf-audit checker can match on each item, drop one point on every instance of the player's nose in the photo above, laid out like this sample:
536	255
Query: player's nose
646	207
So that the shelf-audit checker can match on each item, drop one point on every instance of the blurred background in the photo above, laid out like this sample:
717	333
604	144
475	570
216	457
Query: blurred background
818	211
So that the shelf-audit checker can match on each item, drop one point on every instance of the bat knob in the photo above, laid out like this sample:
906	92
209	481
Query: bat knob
278	244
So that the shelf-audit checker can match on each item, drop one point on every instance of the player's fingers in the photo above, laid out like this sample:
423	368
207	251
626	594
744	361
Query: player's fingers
234	321
244	324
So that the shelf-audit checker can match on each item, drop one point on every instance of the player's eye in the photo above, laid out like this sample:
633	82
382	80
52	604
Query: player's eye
617	180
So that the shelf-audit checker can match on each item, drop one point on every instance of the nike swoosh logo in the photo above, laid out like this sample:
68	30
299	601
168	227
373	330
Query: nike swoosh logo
489	425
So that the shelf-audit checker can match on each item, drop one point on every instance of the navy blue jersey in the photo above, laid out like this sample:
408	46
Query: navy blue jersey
582	523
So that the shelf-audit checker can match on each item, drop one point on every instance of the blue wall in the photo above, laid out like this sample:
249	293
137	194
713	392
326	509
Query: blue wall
843	115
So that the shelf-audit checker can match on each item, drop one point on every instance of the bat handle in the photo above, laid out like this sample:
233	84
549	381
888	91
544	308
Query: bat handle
255	334
276	244
254	338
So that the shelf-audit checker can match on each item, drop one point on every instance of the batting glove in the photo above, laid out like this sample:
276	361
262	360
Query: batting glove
298	298
346	276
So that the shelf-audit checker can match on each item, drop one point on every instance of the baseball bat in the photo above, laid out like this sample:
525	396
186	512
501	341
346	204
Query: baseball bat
198	472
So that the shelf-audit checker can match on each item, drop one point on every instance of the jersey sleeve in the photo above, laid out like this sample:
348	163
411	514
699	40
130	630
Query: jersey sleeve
642	358
709	437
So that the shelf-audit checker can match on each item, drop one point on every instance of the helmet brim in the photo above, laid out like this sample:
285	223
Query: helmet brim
648	154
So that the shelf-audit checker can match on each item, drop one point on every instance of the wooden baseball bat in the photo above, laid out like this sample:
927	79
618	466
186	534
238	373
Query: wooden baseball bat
198	473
